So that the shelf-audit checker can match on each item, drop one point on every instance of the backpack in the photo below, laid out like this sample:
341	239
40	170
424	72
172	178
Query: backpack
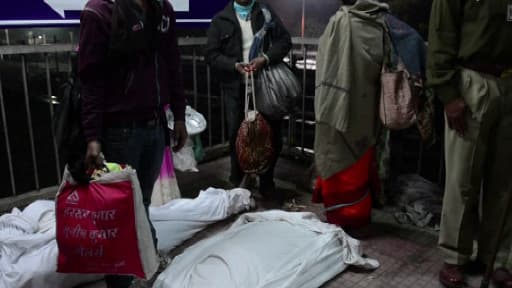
67	126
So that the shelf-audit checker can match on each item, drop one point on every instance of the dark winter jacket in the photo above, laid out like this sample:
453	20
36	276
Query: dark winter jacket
128	89
224	48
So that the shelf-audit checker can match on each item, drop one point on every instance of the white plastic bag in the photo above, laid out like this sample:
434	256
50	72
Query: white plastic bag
166	186
194	121
185	160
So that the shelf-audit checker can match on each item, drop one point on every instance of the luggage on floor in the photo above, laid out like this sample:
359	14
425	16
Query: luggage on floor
254	140
103	227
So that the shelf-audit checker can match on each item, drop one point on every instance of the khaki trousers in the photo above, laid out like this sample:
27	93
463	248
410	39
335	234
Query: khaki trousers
478	171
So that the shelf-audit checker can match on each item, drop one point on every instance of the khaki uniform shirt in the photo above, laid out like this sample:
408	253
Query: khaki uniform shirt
466	31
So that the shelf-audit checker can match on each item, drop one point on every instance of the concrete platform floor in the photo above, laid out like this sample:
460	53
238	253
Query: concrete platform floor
408	255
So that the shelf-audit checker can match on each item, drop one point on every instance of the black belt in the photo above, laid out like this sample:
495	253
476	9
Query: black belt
491	69
147	124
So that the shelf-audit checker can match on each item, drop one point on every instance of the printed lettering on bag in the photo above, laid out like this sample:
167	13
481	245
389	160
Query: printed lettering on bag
75	232
103	215
90	252
73	198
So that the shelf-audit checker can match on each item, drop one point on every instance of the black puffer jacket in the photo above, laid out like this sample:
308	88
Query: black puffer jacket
224	47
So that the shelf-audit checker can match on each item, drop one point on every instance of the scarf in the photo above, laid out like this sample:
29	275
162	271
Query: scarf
243	11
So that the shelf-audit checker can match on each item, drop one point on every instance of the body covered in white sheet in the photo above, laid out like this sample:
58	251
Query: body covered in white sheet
273	249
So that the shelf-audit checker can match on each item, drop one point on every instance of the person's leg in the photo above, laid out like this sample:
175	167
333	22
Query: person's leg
465	163
120	145
465	159
234	117
267	184
153	145
497	192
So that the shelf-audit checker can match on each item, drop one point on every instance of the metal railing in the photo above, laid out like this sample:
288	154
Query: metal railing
204	94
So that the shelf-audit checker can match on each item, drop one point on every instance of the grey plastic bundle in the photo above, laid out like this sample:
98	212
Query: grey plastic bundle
277	88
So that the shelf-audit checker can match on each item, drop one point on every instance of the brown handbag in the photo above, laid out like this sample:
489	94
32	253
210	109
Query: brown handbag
398	100
254	140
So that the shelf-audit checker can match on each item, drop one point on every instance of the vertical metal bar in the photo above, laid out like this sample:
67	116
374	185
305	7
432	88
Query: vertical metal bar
420	158
303	20
7	38
290	55
442	168
7	143
194	72
71	37
290	116
209	88
304	50
303	127
222	115
6	42
56	57
50	98
70	64
29	119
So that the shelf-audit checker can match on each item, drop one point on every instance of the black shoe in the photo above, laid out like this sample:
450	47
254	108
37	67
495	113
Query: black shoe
476	267
271	193
235	181
247	182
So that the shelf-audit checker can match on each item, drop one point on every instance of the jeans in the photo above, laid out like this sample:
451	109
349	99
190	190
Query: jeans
142	149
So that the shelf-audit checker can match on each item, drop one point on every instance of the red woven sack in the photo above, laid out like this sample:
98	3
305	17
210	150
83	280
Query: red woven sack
254	140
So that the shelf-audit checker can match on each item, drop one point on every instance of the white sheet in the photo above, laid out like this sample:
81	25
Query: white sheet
28	250
180	219
273	249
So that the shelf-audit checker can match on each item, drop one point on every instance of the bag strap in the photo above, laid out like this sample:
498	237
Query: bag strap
250	76
260	35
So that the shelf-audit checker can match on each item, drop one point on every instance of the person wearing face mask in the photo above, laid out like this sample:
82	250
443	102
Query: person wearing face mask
230	38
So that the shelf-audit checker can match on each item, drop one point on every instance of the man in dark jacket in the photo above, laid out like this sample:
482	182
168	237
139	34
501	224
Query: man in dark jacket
229	41
129	67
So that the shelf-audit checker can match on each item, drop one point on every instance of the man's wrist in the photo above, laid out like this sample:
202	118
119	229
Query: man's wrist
267	60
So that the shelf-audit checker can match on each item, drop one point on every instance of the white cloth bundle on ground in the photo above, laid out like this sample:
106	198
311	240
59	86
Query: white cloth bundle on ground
273	249
180	219
28	250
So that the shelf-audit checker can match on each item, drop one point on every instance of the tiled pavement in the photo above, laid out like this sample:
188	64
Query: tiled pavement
408	256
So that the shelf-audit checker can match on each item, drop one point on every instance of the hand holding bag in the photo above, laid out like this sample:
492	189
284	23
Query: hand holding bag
102	227
254	140
277	86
